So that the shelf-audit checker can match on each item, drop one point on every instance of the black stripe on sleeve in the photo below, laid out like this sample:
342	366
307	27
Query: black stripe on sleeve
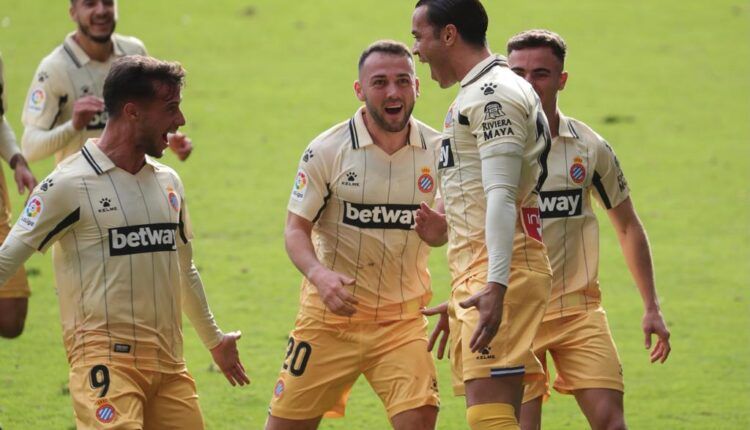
462	119
181	226
71	54
90	159
65	223
325	203
540	131
597	181
61	102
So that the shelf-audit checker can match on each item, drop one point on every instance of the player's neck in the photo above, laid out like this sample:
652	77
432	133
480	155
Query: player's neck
96	51
553	118
389	142
118	145
467	58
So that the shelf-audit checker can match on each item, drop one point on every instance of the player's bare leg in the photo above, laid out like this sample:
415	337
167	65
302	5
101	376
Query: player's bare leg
276	423
12	316
422	418
531	414
505	390
603	408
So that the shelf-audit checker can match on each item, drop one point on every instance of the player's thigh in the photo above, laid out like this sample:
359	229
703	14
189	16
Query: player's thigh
108	397
320	366
276	423
510	353
531	414
586	356
421	418
398	366
174	404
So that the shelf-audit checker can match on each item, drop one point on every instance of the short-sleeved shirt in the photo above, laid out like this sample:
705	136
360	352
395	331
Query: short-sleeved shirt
363	204
116	263
581	165
495	110
4	198
66	75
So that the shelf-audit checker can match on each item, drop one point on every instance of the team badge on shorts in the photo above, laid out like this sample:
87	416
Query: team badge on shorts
278	389
174	201
425	183
106	413
577	171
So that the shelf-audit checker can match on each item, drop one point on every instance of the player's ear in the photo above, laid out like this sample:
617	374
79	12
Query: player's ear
416	85
358	91
449	35
563	80
130	110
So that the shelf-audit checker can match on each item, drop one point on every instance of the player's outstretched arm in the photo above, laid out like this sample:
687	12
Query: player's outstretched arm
13	253
637	251
431	225
180	144
330	284
223	347
442	328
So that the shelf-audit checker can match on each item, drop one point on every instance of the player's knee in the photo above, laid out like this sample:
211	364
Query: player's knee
492	416
11	329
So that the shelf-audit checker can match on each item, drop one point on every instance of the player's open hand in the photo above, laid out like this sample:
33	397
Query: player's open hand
331	288
653	323
25	180
442	328
431	225
84	110
180	144
489	303
227	357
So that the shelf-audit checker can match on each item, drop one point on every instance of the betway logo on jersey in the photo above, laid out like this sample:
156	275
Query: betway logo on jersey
380	215
561	204
137	239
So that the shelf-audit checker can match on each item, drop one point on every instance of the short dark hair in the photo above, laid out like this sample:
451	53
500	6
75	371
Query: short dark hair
539	38
137	77
468	16
386	47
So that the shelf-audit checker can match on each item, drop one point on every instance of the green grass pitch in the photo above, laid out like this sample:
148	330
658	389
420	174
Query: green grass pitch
667	83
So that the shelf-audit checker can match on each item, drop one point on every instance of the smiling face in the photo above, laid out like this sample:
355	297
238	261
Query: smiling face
95	18
388	86
543	70
156	118
430	48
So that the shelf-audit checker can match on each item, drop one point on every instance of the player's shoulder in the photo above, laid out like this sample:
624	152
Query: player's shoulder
430	134
500	84
583	132
130	45
54	61
335	138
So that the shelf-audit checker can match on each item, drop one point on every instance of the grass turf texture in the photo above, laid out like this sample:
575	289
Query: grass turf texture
665	82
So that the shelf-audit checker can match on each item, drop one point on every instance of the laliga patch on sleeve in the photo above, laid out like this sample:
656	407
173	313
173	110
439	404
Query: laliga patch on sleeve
300	186
37	99
31	213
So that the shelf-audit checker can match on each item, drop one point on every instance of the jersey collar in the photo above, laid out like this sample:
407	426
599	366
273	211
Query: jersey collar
79	56
481	69
101	163
566	128
361	137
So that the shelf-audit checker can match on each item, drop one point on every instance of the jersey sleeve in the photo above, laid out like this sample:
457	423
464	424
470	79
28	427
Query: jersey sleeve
184	226
45	97
499	122
609	182
310	189
51	211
